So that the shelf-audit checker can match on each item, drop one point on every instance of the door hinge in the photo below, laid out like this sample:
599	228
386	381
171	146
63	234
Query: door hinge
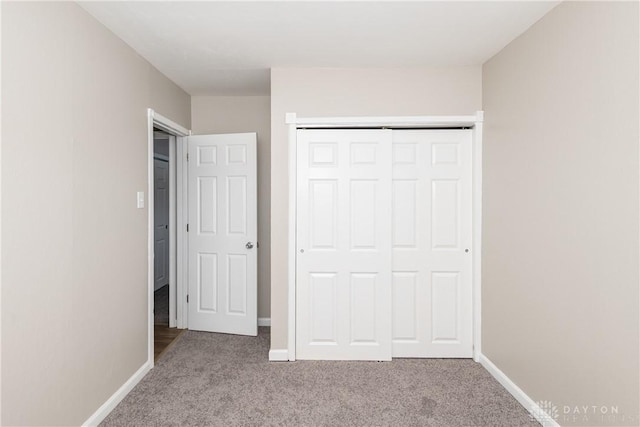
187	157
187	299
187	228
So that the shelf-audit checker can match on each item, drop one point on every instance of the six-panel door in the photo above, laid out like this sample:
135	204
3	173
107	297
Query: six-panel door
431	236
222	233
343	298
382	236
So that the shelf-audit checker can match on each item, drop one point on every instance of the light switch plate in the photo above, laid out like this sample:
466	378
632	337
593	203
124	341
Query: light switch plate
140	199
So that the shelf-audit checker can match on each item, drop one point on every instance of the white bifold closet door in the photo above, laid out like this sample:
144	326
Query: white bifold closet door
431	278
383	237
343	293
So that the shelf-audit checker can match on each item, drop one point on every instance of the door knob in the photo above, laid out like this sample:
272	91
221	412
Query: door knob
249	245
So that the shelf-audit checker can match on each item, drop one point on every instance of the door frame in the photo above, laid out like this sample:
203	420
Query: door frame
177	231
474	122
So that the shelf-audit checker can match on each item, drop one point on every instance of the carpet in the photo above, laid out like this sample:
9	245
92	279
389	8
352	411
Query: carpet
161	306
225	380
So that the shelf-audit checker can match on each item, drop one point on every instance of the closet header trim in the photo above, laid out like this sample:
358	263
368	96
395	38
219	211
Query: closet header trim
417	122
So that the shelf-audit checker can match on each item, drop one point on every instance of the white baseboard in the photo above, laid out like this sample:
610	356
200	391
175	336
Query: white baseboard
278	355
534	409
264	321
113	401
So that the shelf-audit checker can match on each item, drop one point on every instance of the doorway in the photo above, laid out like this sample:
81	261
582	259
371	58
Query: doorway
217	193
165	143
164	289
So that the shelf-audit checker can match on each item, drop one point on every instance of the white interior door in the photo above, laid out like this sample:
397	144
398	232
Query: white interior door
343	291
222	233
161	223
432	305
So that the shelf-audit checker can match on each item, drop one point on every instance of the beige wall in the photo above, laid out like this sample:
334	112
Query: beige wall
560	235
229	114
168	99
349	92
74	246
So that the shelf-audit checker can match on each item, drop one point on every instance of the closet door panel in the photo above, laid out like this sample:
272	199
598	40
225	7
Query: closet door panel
343	245
431	233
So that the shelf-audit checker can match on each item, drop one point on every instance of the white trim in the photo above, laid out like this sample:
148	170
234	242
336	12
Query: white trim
182	239
291	323
150	238
117	397
264	321
476	209
528	403
389	121
278	356
173	235
0	210
167	125
476	121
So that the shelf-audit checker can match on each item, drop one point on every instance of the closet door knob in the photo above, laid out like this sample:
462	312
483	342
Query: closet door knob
249	245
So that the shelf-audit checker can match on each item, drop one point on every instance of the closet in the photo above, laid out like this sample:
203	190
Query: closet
383	237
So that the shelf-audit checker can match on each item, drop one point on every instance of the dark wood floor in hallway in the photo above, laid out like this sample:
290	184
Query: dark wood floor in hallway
163	335
163	339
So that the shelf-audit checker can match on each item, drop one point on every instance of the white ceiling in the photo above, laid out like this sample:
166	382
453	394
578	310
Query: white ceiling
227	48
